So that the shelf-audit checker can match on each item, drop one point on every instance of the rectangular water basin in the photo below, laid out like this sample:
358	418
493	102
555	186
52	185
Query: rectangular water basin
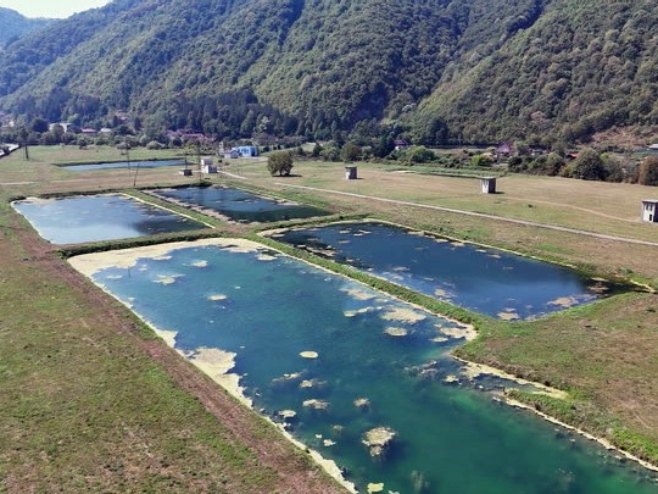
82	219
494	282
360	377
238	205
122	164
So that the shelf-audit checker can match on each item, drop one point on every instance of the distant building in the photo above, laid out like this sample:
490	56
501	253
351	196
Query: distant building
232	154
400	144
88	131
351	173
653	147
64	125
650	210
504	150
246	151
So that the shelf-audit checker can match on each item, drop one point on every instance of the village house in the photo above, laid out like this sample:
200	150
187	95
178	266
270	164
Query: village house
246	151
504	150
400	144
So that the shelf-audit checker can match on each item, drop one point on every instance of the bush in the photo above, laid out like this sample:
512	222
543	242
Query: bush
614	171
648	172
480	160
419	154
588	166
155	145
350	152
280	162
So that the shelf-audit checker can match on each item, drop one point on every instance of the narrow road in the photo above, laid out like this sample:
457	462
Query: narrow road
478	215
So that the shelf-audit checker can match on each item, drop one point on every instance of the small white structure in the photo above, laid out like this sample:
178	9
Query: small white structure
488	185
207	166
650	210
351	173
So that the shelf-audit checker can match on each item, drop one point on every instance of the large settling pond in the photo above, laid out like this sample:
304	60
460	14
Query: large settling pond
123	164
490	281
96	218
361	378
238	205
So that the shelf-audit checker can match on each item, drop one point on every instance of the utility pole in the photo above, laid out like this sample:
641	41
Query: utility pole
24	137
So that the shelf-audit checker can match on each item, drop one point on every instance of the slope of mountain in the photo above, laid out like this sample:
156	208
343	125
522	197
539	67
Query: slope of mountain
448	69
14	26
582	67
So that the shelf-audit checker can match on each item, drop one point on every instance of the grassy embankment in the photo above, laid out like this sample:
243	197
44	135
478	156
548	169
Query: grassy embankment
605	354
90	400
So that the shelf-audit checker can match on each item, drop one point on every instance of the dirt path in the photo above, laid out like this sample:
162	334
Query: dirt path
477	215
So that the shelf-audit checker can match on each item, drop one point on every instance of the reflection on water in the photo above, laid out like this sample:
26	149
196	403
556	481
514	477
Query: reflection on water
124	164
240	206
490	281
102	217
358	376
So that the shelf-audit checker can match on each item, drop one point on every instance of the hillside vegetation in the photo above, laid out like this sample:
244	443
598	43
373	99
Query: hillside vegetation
581	68
439	70
14	26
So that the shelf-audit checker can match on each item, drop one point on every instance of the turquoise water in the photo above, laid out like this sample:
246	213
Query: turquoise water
490	281
240	206
451	438
124	164
102	217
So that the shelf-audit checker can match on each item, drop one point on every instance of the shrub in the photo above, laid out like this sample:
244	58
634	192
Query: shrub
588	166
350	152
648	172
155	145
419	154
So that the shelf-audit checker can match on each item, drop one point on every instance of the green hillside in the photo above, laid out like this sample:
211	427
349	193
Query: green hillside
582	67
476	70
14	26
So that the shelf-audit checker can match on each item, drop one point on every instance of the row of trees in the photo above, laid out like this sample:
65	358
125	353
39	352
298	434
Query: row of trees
589	164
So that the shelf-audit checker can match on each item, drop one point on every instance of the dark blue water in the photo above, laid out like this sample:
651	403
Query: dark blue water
83	219
490	281
124	164
240	206
267	309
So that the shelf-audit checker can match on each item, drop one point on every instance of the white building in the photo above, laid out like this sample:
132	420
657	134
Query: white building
650	210
207	166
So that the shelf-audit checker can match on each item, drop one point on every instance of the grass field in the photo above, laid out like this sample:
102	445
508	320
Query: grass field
77	370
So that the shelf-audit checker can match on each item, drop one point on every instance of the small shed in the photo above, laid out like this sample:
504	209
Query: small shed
488	185
650	210
186	172
351	173
208	166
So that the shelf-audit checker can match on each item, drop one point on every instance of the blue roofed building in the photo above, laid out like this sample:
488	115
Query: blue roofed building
246	151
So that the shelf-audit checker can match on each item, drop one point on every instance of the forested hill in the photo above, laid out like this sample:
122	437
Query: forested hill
14	25
443	70
584	66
